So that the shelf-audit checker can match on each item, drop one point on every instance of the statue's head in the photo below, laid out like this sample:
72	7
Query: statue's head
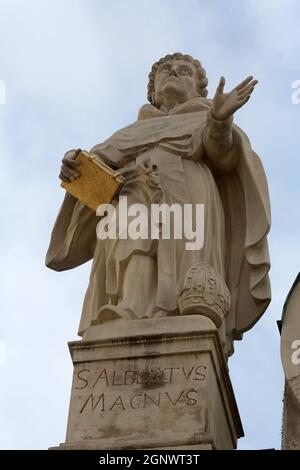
178	75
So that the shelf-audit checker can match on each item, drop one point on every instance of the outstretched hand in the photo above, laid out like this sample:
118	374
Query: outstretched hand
225	104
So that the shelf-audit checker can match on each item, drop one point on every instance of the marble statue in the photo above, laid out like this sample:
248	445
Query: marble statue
289	327
183	148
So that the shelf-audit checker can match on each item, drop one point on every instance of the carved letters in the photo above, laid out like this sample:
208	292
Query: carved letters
106	390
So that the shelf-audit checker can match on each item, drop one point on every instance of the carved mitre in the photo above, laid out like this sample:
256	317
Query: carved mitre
202	291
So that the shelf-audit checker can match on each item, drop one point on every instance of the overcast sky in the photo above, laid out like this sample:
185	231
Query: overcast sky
75	71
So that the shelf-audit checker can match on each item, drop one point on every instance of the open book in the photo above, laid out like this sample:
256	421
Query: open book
97	184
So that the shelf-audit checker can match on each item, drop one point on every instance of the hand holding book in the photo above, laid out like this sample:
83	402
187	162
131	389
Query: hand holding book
69	171
96	183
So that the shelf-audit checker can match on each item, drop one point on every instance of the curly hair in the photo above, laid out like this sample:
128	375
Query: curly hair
203	82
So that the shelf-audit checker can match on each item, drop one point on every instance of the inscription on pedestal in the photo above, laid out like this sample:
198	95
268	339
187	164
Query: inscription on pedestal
148	378
126	396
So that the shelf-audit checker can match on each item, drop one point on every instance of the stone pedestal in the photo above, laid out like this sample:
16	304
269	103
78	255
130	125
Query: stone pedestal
152	384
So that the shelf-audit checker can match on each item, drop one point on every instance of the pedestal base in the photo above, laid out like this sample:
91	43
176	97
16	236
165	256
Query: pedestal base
152	384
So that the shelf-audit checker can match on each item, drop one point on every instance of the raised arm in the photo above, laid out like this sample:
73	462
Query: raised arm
218	138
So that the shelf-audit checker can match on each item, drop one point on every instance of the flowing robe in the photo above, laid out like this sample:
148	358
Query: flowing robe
188	164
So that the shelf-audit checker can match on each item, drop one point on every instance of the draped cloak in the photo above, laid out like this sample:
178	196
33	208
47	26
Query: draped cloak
237	216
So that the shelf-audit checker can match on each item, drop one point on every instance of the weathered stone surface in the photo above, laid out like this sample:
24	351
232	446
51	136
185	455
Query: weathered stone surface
290	357
162	310
161	385
184	149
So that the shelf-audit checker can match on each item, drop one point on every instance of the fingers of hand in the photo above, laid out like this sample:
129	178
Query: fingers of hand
245	94
246	90
70	157
67	173
64	178
244	83
243	101
220	88
248	87
221	85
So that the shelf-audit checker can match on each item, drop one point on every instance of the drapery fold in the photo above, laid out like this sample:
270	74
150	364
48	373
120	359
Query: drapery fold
237	204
